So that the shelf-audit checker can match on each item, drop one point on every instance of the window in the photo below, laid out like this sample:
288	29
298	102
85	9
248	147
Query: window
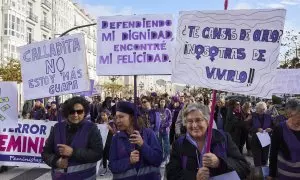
44	37
30	8
5	47
5	24
45	16
29	35
13	25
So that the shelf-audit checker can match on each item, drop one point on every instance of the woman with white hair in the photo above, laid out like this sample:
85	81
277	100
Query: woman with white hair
285	145
261	122
188	159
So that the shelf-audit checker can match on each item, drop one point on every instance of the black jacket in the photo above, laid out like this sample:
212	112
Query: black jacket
234	161
92	153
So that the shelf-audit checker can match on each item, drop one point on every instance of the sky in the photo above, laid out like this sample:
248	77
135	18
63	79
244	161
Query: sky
128	7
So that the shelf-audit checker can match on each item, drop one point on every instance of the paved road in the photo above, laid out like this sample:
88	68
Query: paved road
21	173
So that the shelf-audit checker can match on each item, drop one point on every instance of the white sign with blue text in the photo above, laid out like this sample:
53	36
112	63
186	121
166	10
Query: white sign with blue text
234	51
134	45
54	67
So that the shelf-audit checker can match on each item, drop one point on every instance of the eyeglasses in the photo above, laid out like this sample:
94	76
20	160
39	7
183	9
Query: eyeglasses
79	112
197	121
144	102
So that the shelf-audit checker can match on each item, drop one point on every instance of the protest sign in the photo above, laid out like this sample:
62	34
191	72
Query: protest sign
287	81
22	146
233	51
54	67
134	45
90	91
8	104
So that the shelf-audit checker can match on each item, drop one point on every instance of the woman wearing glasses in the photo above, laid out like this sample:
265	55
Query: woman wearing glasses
135	152
75	145
150	115
188	158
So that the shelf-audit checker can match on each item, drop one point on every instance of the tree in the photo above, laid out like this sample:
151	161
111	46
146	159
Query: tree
112	87
11	71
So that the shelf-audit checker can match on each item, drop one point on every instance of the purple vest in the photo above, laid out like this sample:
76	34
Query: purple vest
75	170
289	169
267	121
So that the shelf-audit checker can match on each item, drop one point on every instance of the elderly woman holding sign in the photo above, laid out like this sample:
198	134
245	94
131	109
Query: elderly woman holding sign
189	159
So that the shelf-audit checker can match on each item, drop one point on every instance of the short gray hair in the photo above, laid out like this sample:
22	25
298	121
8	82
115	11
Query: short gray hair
261	105
196	107
293	105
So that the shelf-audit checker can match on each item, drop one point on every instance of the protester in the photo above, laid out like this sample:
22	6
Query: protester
75	145
103	118
246	115
52	112
179	125
175	108
38	112
95	109
188	158
135	152
233	121
220	113
285	146
164	130
150	115
261	122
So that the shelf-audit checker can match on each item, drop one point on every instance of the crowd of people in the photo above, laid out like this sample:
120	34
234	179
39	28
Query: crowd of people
171	132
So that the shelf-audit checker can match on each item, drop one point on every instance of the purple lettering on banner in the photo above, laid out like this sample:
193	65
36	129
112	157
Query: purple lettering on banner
243	77
220	75
213	51
124	36
165	58
230	75
104	24
199	49
168	22
210	72
149	57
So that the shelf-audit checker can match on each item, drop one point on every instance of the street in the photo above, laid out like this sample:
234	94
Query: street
22	173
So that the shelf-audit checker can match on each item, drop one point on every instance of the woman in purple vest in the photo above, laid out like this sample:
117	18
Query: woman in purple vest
260	122
135	152
189	161
164	130
285	146
150	115
75	145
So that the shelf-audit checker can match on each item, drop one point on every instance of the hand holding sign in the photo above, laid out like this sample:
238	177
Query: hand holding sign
210	160
203	173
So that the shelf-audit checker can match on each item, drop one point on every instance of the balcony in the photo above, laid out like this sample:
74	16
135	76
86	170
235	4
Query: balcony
46	25
46	4
33	17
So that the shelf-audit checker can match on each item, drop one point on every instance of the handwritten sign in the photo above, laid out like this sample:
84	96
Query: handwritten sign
54	67
287	81
234	51
133	45
8	104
